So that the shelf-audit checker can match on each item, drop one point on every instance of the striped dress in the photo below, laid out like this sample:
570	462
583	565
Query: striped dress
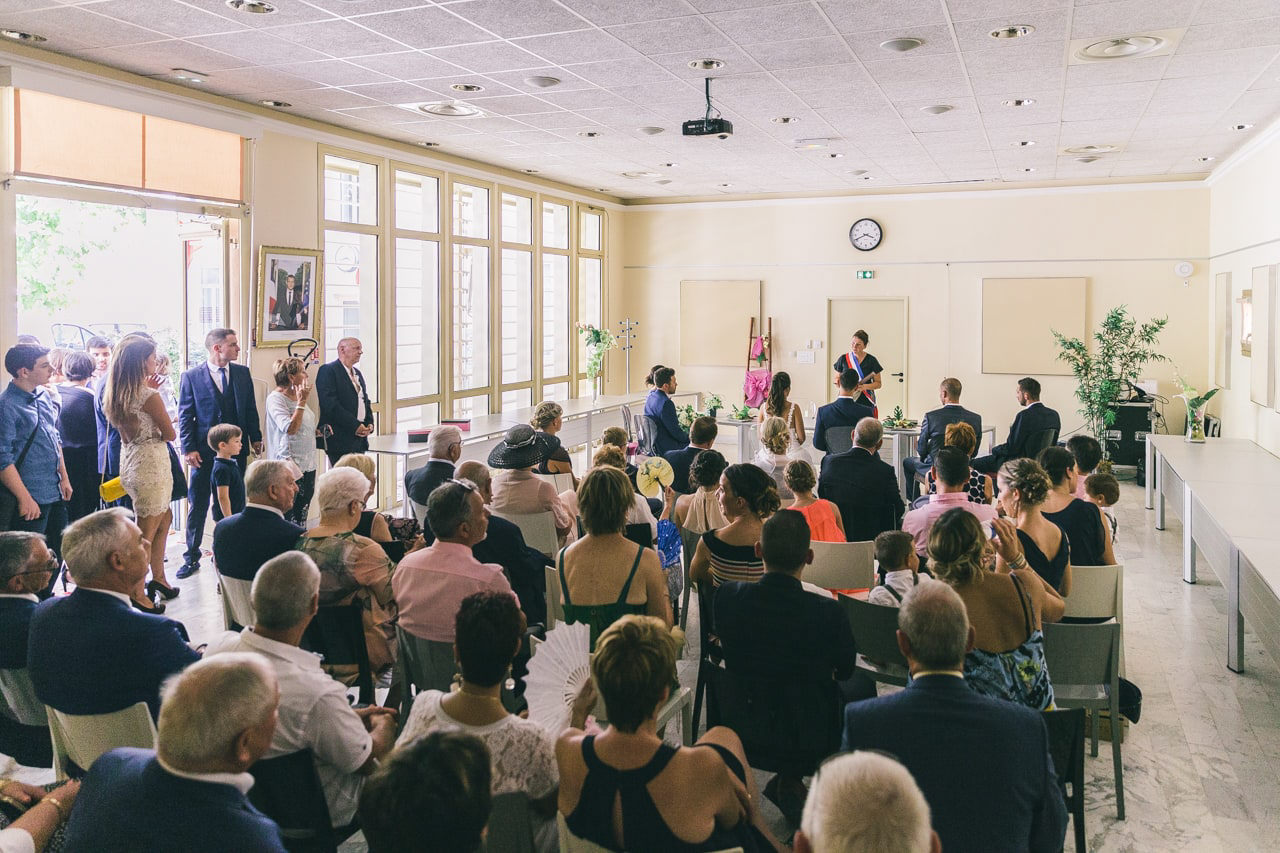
732	562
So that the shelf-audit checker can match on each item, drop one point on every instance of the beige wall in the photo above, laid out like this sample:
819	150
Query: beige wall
936	251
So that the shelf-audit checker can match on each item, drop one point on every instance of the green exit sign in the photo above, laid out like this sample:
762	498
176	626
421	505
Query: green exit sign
866	273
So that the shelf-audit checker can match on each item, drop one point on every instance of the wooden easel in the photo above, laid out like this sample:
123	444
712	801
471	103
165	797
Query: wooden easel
751	340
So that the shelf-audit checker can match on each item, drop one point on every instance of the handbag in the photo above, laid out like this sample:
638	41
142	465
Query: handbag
112	490
8	500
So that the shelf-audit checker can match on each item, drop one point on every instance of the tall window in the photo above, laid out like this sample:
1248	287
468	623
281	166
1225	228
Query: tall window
417	299
556	330
351	261
470	297
590	282
517	320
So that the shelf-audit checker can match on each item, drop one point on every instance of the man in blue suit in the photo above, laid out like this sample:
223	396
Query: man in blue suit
662	412
933	431
702	436
982	763
91	652
843	411
216	392
1034	418
217	720
26	564
244	541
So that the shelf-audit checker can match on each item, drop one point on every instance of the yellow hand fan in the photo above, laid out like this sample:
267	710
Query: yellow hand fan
654	476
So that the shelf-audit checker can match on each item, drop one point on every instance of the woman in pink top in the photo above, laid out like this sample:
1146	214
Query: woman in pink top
516	489
825	523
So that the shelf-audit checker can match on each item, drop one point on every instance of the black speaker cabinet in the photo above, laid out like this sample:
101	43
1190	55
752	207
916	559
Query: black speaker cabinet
1126	439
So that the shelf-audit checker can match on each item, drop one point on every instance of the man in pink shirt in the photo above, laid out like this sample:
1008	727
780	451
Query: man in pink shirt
429	584
951	470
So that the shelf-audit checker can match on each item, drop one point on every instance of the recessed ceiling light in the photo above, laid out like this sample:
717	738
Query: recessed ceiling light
256	7
602	189
467	87
937	109
664	181
812	144
724	186
1125	47
835	155
19	35
857	172
1088	159
589	134
1019	102
1092	149
651	130
1027	169
542	82
706	64
449	109
1013	32
1023	143
1241	126
668	165
530	171
268	102
1208	159
188	75
425	144
785	119
641	175
901	45
868	177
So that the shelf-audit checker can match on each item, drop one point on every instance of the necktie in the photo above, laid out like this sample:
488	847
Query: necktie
222	373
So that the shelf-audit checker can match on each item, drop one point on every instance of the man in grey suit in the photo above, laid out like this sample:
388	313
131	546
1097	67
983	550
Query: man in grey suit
933	431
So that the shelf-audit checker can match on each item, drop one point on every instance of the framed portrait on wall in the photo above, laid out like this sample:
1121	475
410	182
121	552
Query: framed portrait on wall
290	295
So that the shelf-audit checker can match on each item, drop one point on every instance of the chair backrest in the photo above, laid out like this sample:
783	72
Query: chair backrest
239	602
1066	743
646	432
842	565
288	790
641	534
562	482
555	601
839	438
1038	441
538	529
875	630
1082	654
688	545
81	739
419	510
570	843
337	632
786	725
627	421
510	827
424	664
1097	592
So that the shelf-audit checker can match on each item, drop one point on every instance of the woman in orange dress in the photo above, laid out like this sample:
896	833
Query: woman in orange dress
825	524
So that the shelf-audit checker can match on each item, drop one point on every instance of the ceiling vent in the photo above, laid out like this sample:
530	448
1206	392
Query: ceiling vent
1125	46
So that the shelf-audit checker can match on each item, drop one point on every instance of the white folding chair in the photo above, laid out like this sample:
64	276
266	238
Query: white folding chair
82	739
842	565
562	482
237	602
538	529
1097	592
419	510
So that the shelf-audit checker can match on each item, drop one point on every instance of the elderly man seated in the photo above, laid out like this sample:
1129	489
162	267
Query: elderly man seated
91	652
216	721
951	473
862	485
982	763
244	541
891	815
314	714
26	565
444	447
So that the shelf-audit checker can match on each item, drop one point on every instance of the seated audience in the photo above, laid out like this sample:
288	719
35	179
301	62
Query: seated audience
431	794
702	436
352	567
897	567
373	524
617	436
604	575
951	472
892	815
548	420
671	798
1086	452
216	721
35	827
772	456
444	448
1083	521
1005	660
825	523
639	513
1024	487
661	412
983	765
346	744
934	432
26	565
291	430
843	411
700	511
489	632
246	540
862	486
517	490
78	427
1034	419
1104	490
962	437
430	584
747	497
778	405
91	652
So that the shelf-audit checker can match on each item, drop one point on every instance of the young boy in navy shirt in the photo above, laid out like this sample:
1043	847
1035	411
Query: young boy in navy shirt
226	480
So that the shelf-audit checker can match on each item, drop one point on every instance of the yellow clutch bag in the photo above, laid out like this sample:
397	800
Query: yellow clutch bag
111	490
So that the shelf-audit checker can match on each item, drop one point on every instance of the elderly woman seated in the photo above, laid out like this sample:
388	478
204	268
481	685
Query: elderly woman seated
548	419
352	567
626	789
640	513
517	490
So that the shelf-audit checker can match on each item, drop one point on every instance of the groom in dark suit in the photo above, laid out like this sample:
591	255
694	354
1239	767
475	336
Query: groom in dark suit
216	392
843	411
933	431
344	402
1034	418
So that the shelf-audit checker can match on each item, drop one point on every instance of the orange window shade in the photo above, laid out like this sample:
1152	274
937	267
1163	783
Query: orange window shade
72	140
196	161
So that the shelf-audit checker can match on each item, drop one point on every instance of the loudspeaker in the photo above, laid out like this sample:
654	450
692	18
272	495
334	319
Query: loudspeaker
1126	438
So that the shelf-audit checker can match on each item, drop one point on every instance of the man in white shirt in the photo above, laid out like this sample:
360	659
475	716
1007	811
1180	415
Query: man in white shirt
314	713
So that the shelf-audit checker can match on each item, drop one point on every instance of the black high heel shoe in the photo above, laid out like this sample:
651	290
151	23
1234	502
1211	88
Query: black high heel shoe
155	608
168	593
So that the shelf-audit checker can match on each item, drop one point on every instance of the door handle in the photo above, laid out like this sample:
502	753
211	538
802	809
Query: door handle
899	375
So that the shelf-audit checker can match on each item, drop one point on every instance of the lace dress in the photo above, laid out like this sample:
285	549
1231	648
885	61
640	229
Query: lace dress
795	449
145	472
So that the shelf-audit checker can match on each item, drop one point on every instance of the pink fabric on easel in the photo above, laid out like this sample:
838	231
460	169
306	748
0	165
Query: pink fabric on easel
755	386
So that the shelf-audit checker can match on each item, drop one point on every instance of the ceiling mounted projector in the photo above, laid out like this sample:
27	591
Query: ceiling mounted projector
708	125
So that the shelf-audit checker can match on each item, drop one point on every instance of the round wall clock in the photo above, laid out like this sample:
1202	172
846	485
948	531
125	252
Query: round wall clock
865	235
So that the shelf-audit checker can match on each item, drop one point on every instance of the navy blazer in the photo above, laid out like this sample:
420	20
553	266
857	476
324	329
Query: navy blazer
865	489
244	541
842	411
983	764
108	438
199	409
1031	419
339	407
204	817
681	461
933	428
420	482
91	653
669	435
525	568
15	621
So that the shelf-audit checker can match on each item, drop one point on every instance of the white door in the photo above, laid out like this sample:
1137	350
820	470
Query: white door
885	322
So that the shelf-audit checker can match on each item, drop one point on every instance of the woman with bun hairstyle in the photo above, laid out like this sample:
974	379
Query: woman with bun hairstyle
747	497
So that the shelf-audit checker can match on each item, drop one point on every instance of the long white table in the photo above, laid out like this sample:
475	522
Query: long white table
1222	492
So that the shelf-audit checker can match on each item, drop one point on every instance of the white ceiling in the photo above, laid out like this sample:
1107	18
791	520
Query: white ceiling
624	65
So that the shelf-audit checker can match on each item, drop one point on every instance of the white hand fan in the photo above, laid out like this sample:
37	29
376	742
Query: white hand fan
557	671
654	476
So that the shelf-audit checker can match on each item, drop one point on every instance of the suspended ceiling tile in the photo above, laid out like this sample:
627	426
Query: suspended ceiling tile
692	34
407	65
428	27
487	57
772	23
1126	17
512	20
602	13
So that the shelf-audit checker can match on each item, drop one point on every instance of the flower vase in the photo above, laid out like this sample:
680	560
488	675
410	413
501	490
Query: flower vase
1195	425
595	387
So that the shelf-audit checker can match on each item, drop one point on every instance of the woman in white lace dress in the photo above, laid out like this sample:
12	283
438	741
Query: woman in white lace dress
133	407
489	630
772	457
776	405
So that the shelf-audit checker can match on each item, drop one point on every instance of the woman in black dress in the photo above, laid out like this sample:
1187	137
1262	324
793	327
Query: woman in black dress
78	426
865	364
1082	521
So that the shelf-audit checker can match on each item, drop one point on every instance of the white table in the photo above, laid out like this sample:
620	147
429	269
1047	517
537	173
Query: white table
1222	491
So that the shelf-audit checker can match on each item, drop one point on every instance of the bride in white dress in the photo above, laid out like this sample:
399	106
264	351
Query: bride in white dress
134	407
776	405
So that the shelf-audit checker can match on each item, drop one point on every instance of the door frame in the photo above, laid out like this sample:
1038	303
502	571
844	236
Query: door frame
906	328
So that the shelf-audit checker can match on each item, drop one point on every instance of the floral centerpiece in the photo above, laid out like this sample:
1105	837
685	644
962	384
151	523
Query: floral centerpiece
898	421
714	404
598	342
741	413
1195	408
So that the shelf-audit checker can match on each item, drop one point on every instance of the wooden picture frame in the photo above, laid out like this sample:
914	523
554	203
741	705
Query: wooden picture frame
284	315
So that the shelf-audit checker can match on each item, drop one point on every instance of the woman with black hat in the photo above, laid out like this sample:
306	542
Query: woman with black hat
516	488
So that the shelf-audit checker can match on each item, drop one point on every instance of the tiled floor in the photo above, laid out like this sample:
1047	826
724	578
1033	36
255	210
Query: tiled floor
1202	769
